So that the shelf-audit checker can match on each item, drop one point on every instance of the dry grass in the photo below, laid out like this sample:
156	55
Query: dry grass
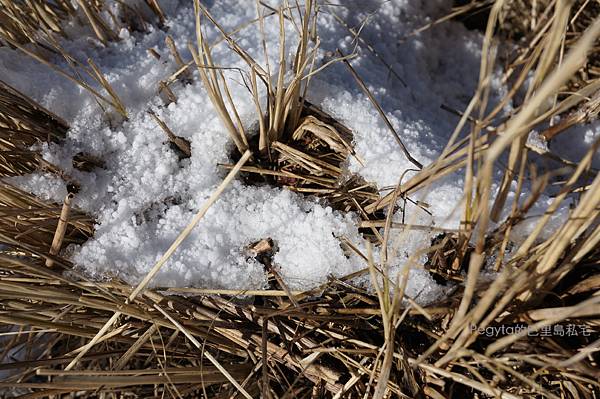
24	123
34	27
65	336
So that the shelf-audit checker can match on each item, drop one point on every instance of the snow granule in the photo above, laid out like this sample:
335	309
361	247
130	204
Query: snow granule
145	196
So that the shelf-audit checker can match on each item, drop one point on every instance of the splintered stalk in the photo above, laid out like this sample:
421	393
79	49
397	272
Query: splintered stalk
61	229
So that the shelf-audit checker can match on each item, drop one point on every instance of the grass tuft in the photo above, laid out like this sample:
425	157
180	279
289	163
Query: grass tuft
531	331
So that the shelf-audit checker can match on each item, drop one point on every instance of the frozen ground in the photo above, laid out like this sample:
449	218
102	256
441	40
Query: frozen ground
440	66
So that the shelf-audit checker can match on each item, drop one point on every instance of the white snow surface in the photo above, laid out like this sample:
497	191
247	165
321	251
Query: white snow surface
144	196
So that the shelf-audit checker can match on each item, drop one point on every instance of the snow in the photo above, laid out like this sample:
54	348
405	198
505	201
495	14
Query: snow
145	196
577	141
537	142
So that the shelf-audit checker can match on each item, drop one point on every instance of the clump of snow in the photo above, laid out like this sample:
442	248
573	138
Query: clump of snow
305	232
46	186
145	196
536	141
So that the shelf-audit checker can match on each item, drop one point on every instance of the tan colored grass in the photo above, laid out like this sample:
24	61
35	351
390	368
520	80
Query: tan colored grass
37	23
71	336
